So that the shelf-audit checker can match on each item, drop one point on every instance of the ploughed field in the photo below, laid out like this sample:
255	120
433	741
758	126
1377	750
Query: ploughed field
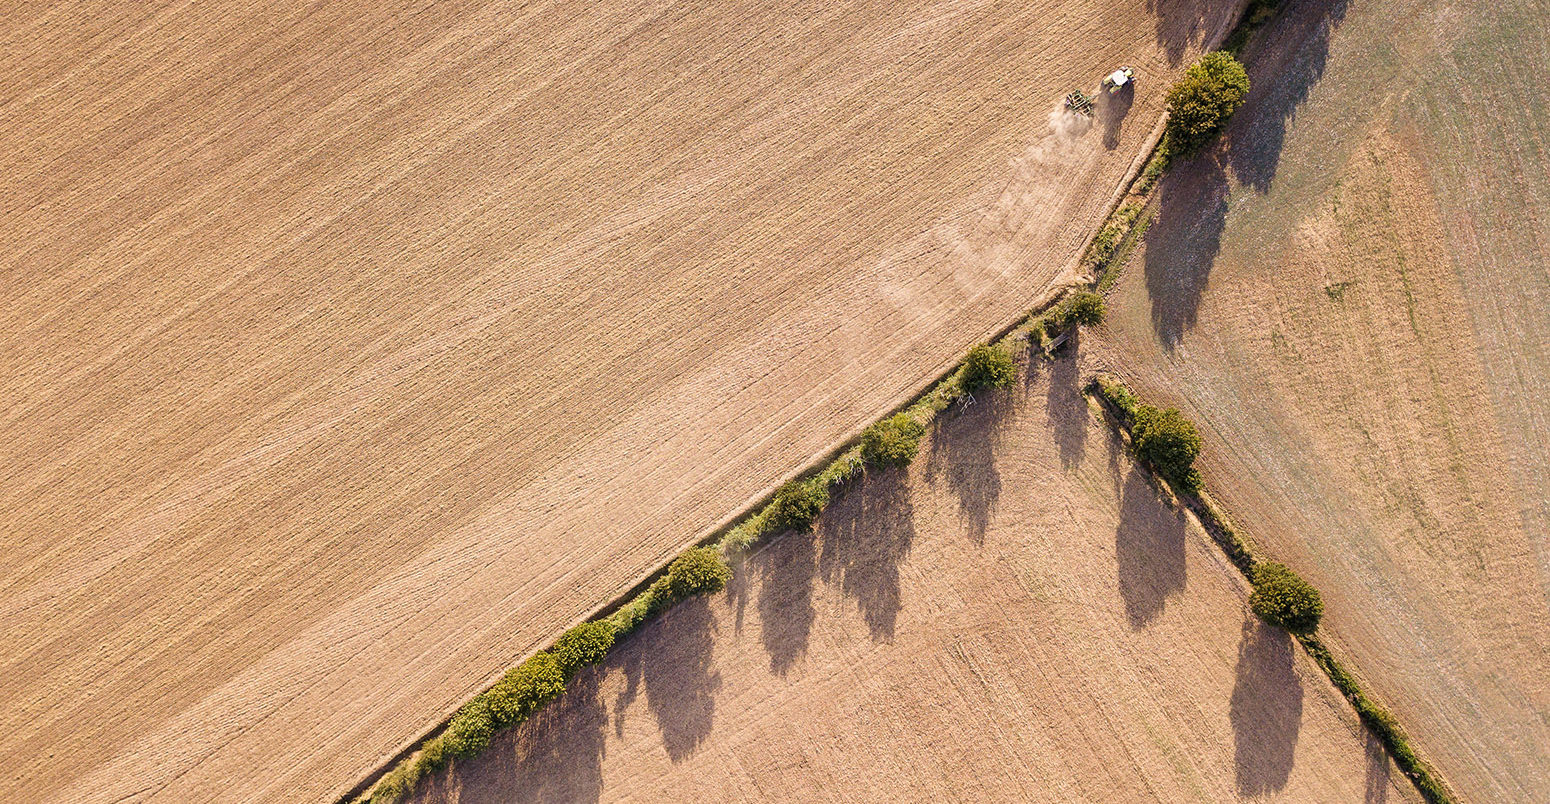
1017	617
353	350
1352	298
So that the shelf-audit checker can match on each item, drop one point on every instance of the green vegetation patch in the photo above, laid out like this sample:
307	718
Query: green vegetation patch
988	366
1167	442
1200	103
894	441
1283	598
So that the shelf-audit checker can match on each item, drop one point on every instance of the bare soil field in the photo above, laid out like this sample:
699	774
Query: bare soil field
1016	618
1352	297
352	350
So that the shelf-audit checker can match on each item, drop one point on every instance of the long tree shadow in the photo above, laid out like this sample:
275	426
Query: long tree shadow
556	756
1283	74
1149	551
1065	405
676	675
680	683
1182	244
963	447
786	569
866	533
1266	709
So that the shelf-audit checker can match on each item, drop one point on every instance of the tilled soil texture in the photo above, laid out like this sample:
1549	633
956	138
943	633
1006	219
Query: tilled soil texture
352	350
1352	297
1015	618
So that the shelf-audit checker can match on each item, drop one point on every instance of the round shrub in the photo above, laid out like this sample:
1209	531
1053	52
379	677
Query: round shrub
1283	598
894	441
471	728
1166	440
797	504
1200	103
1083	308
585	644
700	570
988	366
525	688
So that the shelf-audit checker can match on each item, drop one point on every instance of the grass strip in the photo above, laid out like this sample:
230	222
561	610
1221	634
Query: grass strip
1121	404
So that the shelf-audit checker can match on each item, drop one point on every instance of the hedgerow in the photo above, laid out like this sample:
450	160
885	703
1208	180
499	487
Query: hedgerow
585	644
1283	598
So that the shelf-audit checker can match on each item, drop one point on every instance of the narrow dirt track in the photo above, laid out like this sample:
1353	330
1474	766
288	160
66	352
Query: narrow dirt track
1351	299
354	349
1016	618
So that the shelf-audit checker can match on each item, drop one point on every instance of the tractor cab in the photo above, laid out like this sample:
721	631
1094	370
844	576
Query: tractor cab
1118	79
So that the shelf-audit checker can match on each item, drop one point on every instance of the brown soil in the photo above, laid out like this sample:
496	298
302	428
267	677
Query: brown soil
1341	296
1016	618
353	350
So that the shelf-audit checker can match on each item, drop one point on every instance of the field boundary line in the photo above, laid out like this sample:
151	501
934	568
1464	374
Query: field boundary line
1379	722
737	532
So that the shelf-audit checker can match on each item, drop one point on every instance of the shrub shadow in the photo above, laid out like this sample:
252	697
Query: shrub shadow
679	680
1266	709
865	534
1182	244
555	756
786	570
1065	405
1148	551
963	447
1377	771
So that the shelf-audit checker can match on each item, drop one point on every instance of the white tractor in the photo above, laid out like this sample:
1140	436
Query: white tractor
1082	103
1118	79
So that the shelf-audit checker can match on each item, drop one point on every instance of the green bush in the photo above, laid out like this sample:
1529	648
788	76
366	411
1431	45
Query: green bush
1083	308
699	571
470	730
1282	597
434	756
797	504
1200	103
988	366
585	644
1167	441
894	441
524	689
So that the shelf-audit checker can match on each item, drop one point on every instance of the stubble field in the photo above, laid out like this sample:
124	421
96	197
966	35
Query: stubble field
1351	297
1015	618
352	350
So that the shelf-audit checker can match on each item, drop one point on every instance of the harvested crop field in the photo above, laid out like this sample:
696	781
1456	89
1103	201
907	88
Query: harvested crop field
1351	298
1016	618
355	349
